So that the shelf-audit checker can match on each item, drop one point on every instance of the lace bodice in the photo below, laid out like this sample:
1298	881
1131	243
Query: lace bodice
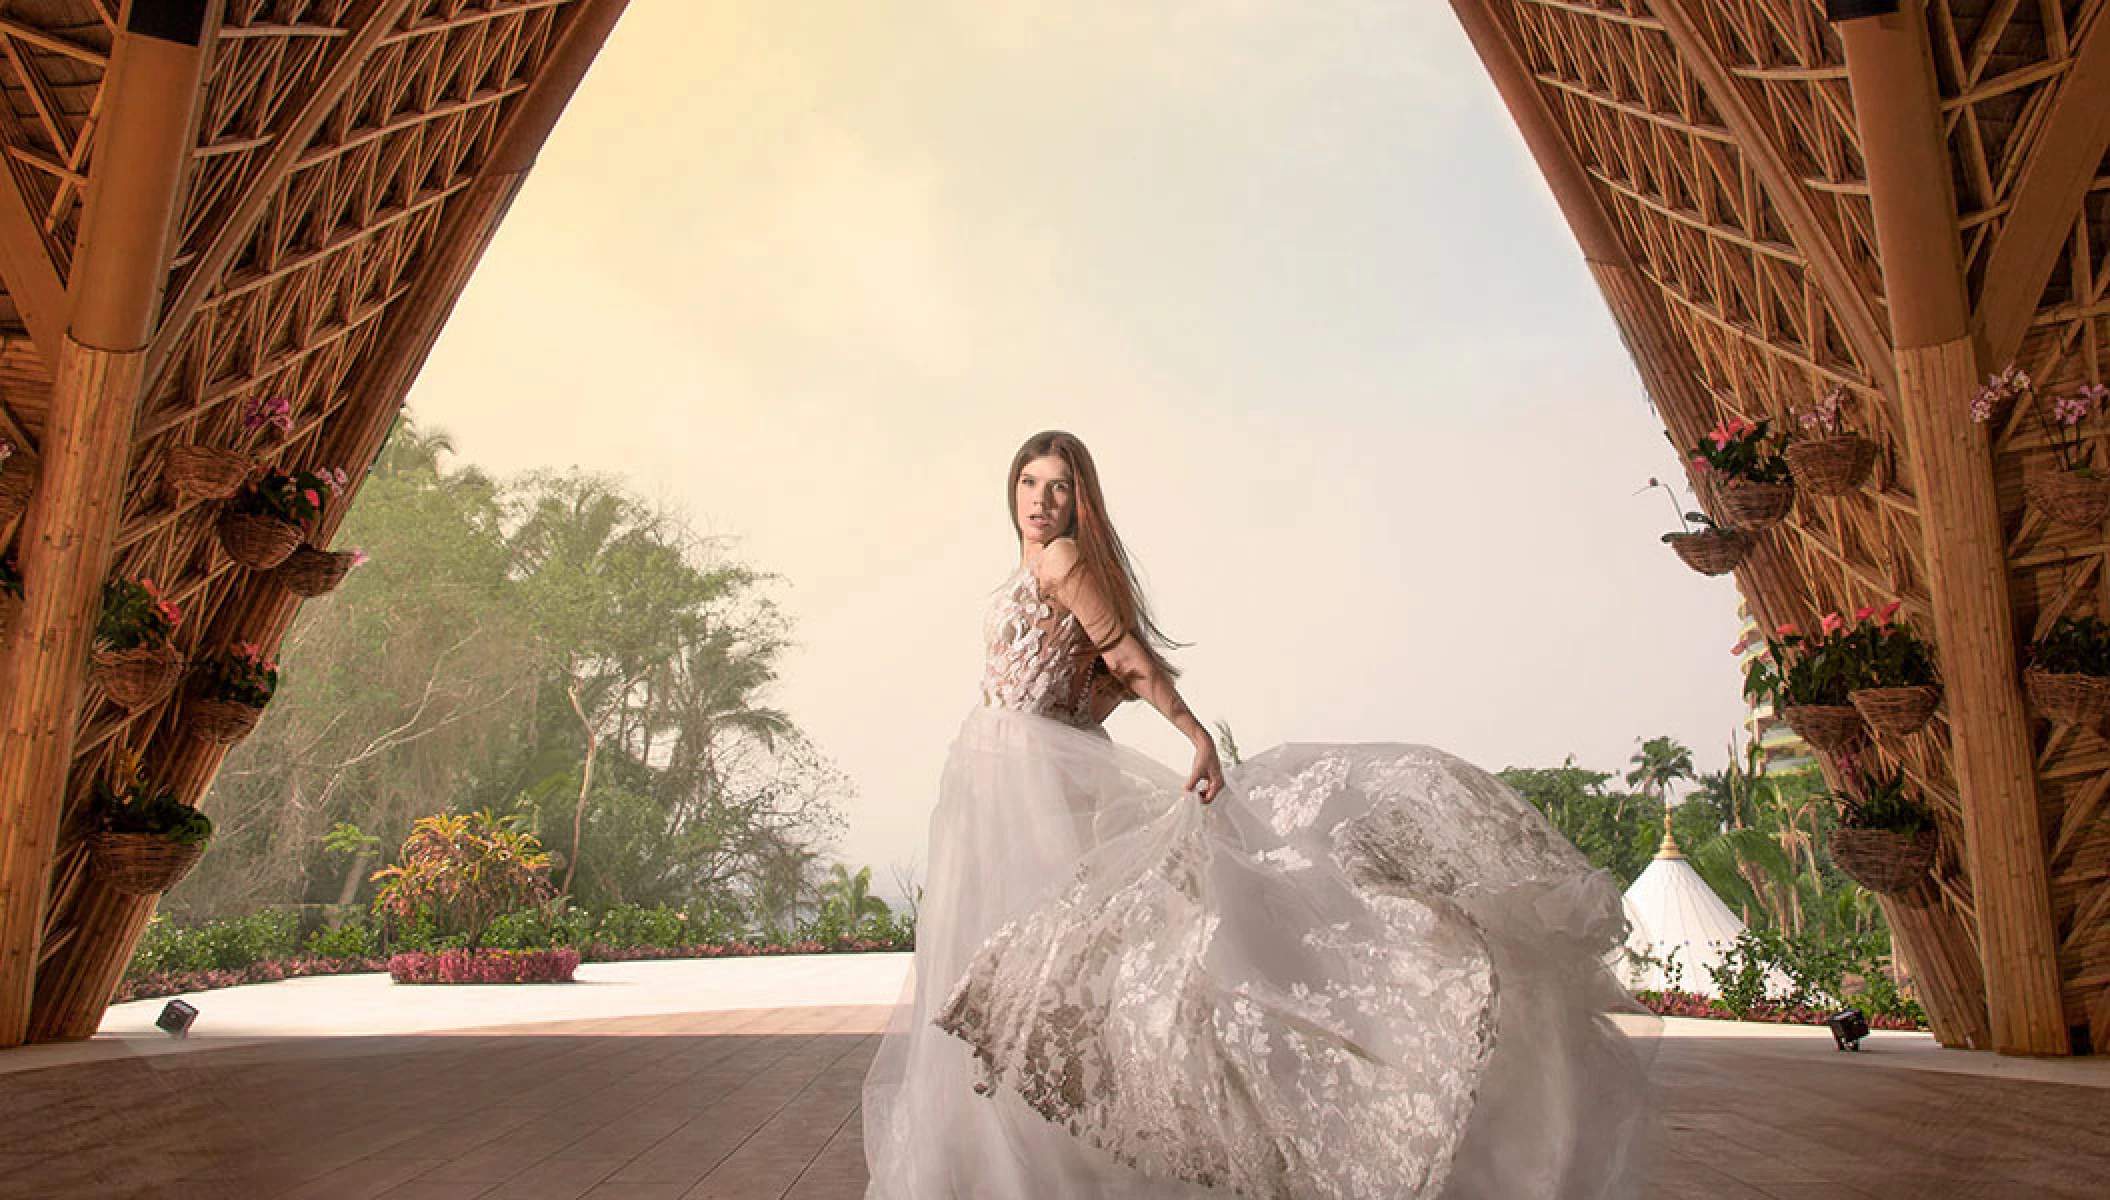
1039	658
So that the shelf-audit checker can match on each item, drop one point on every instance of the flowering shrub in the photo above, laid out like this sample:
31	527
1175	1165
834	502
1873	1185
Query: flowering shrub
295	497
1794	669
1690	1004
152	985
1739	449
240	675
462	870
485	966
2073	646
2061	425
135	615
1891	654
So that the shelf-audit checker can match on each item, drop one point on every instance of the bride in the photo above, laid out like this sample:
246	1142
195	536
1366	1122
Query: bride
1342	971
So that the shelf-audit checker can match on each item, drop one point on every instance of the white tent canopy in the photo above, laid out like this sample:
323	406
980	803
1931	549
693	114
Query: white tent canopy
1675	917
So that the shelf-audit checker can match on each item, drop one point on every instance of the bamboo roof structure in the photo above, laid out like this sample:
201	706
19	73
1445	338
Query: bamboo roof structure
1775	202
206	203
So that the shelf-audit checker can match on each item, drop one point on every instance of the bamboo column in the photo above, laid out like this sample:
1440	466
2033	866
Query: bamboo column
1890	67
69	532
82	973
1777	592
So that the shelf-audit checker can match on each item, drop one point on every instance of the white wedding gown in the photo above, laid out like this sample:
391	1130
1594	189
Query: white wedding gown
1364	971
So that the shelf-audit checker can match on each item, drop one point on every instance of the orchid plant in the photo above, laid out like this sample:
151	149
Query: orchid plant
1742	450
2073	646
2061	425
1881	801
1686	520
1826	418
128	805
268	412
136	615
242	674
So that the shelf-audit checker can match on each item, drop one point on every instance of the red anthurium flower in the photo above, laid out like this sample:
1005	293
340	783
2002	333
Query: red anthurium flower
1785	631
1888	611
1832	623
1862	614
312	498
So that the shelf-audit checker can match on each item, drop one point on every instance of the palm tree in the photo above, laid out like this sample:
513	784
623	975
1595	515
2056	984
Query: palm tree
1660	762
851	896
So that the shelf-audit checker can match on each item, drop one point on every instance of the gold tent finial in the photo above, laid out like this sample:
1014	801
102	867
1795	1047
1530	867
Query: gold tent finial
1669	848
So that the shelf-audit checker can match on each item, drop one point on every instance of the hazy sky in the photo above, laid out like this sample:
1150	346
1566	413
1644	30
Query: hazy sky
811	271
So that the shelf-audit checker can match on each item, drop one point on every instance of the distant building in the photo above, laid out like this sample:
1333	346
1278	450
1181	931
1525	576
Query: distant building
1780	748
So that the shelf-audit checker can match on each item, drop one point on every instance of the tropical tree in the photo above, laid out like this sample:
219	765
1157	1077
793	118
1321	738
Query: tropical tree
849	897
1660	762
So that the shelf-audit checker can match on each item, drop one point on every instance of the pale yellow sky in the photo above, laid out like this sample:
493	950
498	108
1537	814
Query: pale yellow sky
810	271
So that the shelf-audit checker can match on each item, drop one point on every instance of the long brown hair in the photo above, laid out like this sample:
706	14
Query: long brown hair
1100	553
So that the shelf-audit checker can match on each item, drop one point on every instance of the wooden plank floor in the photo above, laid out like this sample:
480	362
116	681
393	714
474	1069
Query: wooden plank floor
763	1104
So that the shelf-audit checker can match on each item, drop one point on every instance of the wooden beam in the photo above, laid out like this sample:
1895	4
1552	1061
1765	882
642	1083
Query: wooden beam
2047	198
80	976
32	279
68	534
1841	288
1897	108
372	21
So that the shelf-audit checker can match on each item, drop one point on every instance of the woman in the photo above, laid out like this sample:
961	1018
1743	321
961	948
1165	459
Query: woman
1366	971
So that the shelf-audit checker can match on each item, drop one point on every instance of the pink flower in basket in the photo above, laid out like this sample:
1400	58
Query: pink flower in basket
1832	623
275	411
359	557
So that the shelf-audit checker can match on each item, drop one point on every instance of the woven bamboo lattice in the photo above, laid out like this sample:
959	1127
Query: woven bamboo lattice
1714	162
348	161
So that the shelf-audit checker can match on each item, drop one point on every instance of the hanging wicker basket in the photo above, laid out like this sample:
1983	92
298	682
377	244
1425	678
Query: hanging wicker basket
1829	727
257	542
1883	860
220	722
1897	711
1752	506
205	473
2068	699
309	572
138	677
1833	466
16	483
141	864
2069	498
1712	551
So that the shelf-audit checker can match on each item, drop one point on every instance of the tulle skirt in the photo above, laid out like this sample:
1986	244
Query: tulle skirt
1364	971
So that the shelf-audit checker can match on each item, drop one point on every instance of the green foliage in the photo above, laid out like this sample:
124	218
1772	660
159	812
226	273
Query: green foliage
351	938
295	497
125	804
1812	969
462	870
1892	654
1738	449
555	648
135	615
224	945
1822	668
2074	646
348	839
1616	831
1884	802
241	674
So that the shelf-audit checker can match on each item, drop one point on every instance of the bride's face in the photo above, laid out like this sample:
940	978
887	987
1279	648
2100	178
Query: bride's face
1045	500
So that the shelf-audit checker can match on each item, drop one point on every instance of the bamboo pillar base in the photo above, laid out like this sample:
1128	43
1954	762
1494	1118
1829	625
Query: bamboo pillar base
1938	951
73	990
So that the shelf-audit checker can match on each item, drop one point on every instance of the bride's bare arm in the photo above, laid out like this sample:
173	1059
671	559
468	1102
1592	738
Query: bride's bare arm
1124	655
